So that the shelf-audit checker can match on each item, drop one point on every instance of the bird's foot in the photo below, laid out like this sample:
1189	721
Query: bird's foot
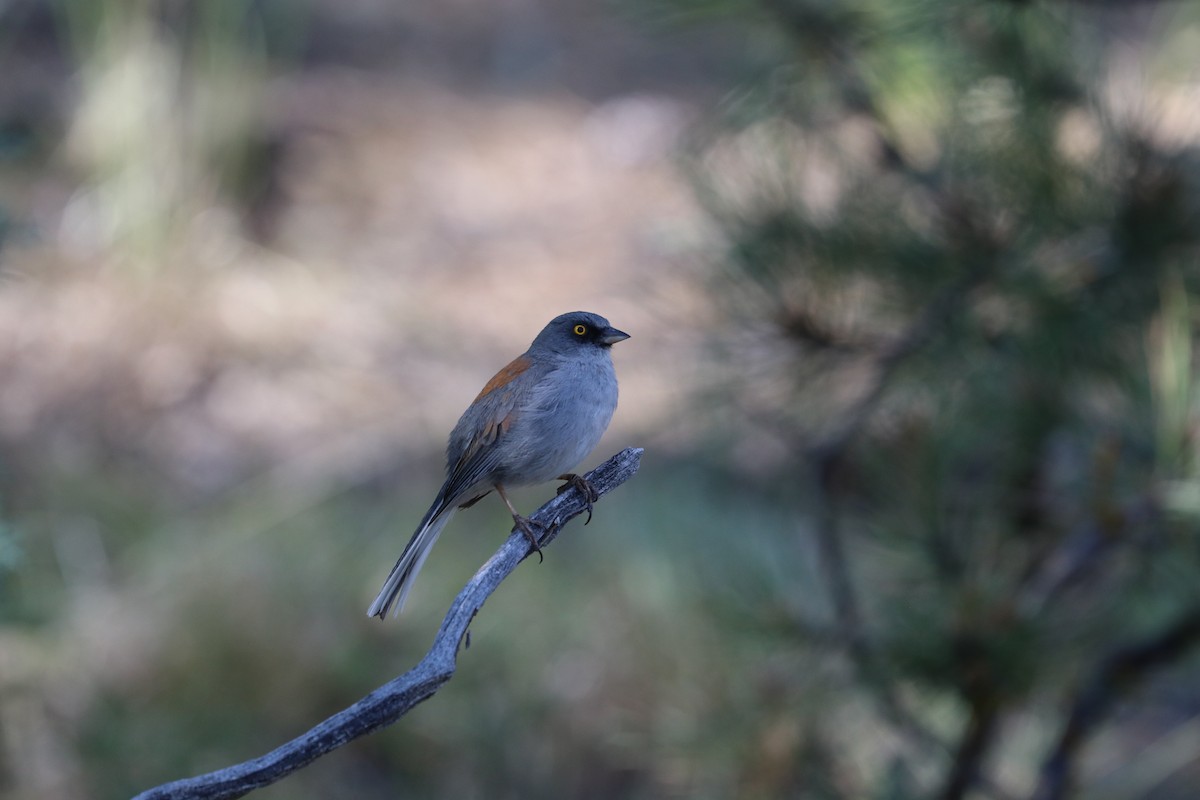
533	531
590	495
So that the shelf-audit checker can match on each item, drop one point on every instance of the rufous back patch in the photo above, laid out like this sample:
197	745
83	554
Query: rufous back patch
505	376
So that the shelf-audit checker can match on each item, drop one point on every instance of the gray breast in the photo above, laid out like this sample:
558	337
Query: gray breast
567	414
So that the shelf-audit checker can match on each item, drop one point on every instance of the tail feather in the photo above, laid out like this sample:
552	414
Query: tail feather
400	580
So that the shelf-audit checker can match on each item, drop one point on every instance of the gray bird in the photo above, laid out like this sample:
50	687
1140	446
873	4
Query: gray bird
534	421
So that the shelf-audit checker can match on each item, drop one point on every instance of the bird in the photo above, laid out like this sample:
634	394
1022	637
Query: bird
533	422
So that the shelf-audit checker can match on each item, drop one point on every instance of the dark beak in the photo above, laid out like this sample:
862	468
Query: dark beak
611	336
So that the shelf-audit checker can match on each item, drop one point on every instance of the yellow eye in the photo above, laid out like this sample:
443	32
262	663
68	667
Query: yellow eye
580	330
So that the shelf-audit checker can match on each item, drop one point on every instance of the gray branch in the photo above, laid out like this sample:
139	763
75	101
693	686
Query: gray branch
394	699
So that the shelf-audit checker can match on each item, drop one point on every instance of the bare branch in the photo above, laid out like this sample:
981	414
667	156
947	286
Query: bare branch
394	699
1119	672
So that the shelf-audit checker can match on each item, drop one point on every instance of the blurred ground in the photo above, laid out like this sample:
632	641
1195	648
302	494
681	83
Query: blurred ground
417	235
427	237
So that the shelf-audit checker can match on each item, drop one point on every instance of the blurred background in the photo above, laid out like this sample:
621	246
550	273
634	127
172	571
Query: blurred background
913	288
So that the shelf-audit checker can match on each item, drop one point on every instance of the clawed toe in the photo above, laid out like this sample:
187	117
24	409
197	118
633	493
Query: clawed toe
527	527
590	495
525	524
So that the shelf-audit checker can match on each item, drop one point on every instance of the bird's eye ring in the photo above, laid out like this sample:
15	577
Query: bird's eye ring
580	330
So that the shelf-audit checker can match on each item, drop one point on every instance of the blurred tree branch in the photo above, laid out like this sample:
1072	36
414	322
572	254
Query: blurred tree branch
1121	671
972	747
390	702
827	453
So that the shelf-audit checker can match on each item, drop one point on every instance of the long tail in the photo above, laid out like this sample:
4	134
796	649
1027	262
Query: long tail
400	580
